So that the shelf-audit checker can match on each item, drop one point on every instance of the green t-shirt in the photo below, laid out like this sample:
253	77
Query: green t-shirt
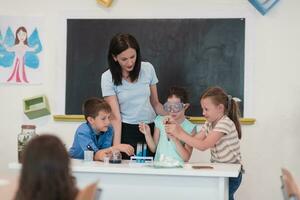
168	147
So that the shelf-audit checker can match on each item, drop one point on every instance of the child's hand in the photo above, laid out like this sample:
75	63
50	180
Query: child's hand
99	155
126	148
145	129
167	120
172	129
171	137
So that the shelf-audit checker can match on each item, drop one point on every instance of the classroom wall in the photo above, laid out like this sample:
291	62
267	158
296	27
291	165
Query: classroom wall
272	81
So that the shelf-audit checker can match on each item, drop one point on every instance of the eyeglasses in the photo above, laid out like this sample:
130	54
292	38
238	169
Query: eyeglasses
173	107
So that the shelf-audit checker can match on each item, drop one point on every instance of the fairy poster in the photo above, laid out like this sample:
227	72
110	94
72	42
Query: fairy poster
21	50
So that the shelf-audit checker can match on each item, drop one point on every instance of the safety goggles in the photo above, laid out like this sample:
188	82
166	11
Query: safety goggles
173	107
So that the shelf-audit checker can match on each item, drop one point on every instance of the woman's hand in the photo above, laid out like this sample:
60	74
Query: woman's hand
126	148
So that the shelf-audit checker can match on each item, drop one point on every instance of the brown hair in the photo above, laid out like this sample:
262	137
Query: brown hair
46	172
231	107
179	92
22	28
92	106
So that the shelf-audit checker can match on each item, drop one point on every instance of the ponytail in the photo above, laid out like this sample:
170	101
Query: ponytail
233	113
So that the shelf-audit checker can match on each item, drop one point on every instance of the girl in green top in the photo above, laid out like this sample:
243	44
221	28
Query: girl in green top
162	144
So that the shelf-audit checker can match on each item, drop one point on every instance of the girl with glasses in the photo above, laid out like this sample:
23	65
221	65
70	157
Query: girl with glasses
167	146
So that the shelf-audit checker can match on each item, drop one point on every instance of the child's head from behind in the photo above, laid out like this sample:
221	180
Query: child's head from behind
45	171
97	112
216	103
177	102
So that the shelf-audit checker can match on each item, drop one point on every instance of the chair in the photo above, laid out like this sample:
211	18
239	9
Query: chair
289	187
90	192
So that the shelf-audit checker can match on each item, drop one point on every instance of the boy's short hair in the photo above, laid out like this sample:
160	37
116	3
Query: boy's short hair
92	106
179	92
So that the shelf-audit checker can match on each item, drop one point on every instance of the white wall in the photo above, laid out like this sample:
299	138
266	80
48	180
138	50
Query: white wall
271	143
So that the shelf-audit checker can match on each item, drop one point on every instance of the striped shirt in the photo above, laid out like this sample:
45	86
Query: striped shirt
227	149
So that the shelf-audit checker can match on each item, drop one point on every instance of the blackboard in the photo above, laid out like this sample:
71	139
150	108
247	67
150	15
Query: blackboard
193	53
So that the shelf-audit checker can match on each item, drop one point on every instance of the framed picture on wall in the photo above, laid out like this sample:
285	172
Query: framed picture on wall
263	6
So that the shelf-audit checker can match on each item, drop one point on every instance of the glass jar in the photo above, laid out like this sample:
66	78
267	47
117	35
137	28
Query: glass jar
27	133
116	157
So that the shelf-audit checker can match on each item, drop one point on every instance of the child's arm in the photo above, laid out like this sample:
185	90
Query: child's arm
99	155
200	135
184	150
151	141
201	143
207	142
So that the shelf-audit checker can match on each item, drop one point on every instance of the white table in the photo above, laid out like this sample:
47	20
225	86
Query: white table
125	181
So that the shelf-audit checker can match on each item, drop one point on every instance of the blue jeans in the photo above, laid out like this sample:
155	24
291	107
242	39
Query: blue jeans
234	184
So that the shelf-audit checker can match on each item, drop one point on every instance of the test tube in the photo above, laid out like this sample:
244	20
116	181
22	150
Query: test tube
139	149
144	152
145	149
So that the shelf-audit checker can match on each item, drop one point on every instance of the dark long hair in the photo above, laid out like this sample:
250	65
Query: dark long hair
231	107
118	44
45	172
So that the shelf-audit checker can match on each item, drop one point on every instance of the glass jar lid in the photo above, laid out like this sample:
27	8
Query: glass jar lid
28	126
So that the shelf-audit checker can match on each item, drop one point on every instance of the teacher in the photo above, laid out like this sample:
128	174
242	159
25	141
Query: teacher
129	86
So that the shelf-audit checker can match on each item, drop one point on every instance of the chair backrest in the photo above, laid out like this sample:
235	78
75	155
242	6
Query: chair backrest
90	192
290	189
